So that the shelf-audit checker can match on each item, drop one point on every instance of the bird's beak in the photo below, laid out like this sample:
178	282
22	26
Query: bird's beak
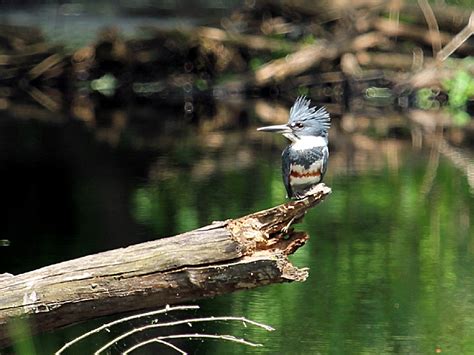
283	128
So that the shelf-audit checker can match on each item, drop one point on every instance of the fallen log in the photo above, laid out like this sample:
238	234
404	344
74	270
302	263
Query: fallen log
223	257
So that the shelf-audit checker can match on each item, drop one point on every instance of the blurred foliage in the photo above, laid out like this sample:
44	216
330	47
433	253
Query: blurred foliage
468	4
106	85
425	99
256	62
4	243
303	90
309	39
460	90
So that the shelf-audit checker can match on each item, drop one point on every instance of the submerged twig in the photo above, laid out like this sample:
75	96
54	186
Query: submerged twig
179	322
154	340
189	336
125	319
161	339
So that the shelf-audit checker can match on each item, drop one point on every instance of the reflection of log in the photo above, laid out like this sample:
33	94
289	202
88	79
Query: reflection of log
223	257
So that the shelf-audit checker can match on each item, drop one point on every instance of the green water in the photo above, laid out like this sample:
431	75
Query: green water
391	253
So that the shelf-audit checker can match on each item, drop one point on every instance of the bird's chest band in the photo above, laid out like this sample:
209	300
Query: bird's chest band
300	176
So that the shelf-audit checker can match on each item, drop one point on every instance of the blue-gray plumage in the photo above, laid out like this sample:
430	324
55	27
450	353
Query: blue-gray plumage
304	161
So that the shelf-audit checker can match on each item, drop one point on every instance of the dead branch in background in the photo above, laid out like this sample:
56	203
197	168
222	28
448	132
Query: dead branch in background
312	40
458	40
418	34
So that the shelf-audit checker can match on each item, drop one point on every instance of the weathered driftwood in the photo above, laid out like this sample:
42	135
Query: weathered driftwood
223	257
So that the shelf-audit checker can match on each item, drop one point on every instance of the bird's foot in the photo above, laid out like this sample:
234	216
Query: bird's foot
286	228
307	192
299	196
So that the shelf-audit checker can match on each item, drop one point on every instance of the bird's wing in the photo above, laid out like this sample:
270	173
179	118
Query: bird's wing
286	167
325	160
309	156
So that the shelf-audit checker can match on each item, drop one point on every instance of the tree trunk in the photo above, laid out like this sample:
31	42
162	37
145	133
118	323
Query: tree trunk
220	258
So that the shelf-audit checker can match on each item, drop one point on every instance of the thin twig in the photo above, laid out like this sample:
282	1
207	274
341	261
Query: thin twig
199	336
154	340
125	319
184	321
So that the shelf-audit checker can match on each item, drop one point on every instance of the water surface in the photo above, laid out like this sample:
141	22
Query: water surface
391	251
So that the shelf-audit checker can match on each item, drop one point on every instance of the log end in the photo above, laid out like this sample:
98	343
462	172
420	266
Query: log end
271	233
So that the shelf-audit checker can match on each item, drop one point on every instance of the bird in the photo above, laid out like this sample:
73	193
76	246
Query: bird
305	160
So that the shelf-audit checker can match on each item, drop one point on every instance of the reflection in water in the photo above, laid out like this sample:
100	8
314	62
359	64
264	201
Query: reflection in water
390	261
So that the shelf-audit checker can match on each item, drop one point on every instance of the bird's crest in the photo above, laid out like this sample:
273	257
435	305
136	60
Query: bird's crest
301	111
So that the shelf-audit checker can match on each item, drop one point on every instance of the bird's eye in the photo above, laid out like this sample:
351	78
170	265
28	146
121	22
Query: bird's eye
296	125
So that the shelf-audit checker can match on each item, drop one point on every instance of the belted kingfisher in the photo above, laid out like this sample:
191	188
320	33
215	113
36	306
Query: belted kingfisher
305	160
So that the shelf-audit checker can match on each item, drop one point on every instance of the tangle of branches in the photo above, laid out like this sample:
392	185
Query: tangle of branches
166	339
